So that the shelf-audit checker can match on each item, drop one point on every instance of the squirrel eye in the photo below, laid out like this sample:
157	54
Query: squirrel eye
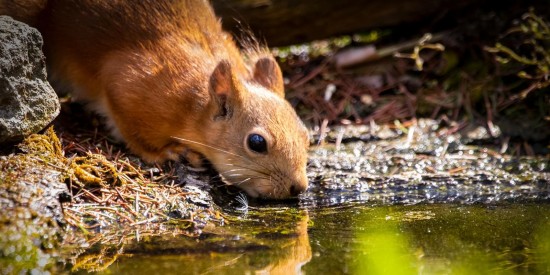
257	143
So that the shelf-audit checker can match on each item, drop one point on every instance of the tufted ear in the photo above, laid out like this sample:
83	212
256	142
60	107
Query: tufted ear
225	90
268	74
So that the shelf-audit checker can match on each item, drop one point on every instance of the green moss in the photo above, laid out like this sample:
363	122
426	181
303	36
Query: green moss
29	234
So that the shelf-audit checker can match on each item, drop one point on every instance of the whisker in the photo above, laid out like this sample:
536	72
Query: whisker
229	177
250	168
244	169
234	175
209	146
219	150
242	199
234	170
241	182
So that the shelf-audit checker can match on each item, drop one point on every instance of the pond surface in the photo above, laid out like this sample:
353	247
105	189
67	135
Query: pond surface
409	202
357	239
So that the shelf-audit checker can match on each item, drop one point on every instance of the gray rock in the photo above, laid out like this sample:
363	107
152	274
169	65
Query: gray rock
27	101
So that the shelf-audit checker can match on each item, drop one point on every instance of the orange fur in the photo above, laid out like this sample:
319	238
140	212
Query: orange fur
171	82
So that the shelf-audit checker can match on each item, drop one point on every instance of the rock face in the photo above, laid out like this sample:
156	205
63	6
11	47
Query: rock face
27	101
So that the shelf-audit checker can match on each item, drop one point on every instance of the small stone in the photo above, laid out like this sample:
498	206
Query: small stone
28	103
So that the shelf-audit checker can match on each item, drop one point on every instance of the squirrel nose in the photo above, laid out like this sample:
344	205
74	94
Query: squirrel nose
297	188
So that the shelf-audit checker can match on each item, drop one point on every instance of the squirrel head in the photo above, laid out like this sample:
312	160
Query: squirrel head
264	146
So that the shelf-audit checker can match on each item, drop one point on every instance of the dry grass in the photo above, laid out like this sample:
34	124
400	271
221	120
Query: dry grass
111	190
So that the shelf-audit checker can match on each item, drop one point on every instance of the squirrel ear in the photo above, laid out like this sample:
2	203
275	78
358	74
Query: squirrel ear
268	74
224	89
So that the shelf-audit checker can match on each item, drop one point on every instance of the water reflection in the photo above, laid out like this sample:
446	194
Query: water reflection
296	253
266	241
350	239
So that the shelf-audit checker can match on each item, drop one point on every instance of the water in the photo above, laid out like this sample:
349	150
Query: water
356	239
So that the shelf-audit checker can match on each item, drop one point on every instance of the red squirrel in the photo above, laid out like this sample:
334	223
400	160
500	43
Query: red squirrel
171	82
